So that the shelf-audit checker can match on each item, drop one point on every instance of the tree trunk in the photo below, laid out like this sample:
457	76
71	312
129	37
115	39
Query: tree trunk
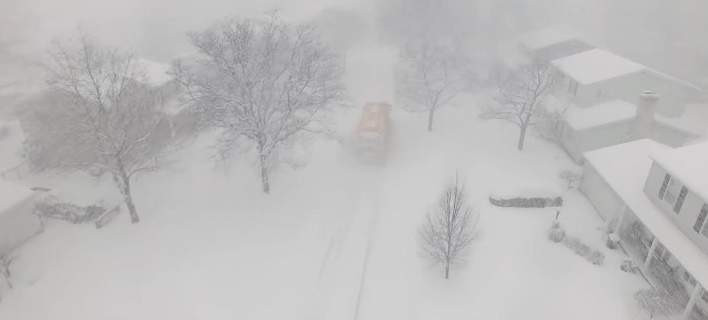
447	270
431	116
128	197
522	138
265	181
123	182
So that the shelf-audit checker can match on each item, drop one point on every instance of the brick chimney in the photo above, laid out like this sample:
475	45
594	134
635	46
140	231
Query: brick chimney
644	121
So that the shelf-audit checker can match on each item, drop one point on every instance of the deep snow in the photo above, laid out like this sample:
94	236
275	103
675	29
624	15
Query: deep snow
335	240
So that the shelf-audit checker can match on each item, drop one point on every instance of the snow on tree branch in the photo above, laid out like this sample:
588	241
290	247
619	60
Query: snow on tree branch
99	115
449	229
429	77
261	82
519	92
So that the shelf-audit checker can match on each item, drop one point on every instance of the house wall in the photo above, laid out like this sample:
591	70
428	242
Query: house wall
577	142
17	224
606	202
689	212
674	96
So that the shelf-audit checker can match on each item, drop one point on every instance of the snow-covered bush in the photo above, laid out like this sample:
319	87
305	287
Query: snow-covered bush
524	202
594	256
629	266
577	246
556	233
52	208
657	302
612	241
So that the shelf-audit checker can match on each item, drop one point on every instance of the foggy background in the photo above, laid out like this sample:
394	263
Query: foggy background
666	35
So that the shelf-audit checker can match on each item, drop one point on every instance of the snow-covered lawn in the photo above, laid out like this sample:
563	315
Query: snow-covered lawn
212	247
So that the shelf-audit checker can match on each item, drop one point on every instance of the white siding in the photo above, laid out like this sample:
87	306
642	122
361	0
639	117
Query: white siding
578	142
606	202
689	211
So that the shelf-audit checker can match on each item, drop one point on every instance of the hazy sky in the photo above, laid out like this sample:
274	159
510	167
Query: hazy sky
669	35
153	28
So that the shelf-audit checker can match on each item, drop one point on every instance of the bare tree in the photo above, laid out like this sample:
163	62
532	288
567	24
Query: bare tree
519	92
99	116
261	82
429	77
449	229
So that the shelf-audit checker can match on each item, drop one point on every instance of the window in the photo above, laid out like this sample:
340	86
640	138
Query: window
680	200
672	191
664	184
700	225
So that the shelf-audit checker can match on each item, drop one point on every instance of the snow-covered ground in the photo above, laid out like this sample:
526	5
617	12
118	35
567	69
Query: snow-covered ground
334	240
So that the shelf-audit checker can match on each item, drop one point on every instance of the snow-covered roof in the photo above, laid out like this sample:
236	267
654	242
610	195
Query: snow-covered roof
613	111
546	37
12	194
689	164
596	65
693	120
627	178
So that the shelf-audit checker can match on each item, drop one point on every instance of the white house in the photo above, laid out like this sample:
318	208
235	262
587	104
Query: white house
618	121
654	197
596	76
17	222
551	43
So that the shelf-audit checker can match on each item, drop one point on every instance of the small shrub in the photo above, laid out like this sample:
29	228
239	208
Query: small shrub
657	302
577	246
521	202
556	233
629	266
52	208
597	258
612	241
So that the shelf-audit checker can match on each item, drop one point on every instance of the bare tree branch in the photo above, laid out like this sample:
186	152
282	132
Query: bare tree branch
429	77
519	92
262	82
99	114
449	229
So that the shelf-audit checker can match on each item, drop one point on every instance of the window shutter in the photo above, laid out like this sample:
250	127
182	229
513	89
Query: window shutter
701	219
681	198
664	185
